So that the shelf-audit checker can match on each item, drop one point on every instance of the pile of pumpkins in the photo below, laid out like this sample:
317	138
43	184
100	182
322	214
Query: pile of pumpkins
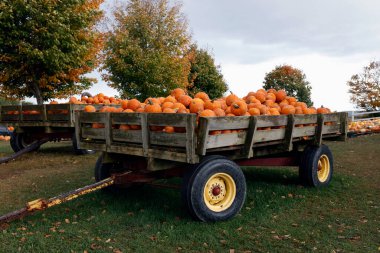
7	137
365	126
261	102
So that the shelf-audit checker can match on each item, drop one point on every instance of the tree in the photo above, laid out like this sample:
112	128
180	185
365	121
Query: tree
47	47
292	80
204	74
365	87
145	53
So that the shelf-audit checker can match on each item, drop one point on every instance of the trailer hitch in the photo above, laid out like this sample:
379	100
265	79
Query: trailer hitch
42	204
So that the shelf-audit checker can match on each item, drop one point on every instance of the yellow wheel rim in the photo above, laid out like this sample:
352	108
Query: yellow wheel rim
219	192
323	168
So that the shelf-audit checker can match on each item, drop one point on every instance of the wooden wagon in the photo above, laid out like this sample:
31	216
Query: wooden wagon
36	122
208	152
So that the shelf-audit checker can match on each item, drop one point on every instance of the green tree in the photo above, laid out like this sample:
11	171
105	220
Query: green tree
145	53
204	74
365	87
290	79
47	47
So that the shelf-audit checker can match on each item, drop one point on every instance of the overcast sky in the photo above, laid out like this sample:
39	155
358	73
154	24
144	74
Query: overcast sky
329	40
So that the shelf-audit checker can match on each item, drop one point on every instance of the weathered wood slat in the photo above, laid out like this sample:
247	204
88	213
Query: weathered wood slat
167	139
126	118
303	131
191	139
93	133
331	129
271	121
227	123
203	130
126	136
288	139
331	117
165	119
269	135
92	117
224	140
305	119
247	151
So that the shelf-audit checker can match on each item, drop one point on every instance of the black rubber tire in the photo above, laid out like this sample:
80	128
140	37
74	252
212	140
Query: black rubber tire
195	194
308	168
17	142
14	142
185	186
78	151
103	171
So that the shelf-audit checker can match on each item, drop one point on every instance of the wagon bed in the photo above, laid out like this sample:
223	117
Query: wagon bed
252	136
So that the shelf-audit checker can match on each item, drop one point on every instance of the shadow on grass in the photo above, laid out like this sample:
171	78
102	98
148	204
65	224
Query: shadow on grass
274	176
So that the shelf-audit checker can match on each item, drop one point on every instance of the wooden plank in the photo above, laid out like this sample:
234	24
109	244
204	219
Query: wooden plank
225	140
203	130
165	119
126	118
92	117
343	126
318	131
127	136
228	123
305	119
331	117
191	139
167	139
303	131
145	133
269	135
93	133
331	129
288	140
108	129
92	145
247	150
271	121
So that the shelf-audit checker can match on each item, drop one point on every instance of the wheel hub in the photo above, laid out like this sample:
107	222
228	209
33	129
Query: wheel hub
323	168
219	192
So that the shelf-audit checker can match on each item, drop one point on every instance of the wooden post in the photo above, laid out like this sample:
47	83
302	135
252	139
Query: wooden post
288	141
145	133
78	129
203	129
247	150
343	126
190	139
319	129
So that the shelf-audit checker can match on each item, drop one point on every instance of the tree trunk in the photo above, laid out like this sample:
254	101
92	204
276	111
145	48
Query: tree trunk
37	94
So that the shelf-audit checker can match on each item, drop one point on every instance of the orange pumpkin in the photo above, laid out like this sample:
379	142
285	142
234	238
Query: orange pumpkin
239	108
202	95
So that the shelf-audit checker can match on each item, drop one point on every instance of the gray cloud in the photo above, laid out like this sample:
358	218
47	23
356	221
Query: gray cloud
253	31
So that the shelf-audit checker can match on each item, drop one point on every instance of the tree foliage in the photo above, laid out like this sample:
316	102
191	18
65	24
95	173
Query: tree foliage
47	47
204	74
145	52
365	87
290	79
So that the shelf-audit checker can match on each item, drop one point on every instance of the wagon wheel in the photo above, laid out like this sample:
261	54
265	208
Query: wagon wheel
78	151
20	141
103	171
216	190
316	167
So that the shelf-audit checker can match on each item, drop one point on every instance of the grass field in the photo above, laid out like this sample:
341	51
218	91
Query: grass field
279	215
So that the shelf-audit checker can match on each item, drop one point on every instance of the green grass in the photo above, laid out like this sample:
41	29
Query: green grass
279	215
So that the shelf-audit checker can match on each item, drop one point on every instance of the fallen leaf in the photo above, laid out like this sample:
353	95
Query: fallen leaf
67	221
239	228
108	240
223	241
232	250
